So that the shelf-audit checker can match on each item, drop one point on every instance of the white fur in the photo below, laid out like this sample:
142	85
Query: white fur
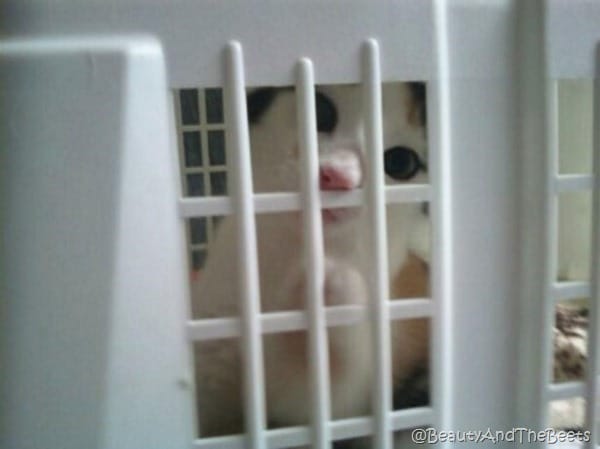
279	237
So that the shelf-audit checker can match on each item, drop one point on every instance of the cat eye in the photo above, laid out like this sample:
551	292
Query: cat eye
402	163
326	114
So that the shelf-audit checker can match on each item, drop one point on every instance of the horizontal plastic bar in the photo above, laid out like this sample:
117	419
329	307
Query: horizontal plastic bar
572	183
566	390
340	430
203	127
226	442
285	202
571	290
293	320
202	170
351	428
412	417
213	329
569	390
288	437
410	308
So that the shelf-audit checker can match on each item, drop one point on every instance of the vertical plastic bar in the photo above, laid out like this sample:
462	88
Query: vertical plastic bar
531	406
314	260
378	277
440	170
593	368
241	180
551	236
550	211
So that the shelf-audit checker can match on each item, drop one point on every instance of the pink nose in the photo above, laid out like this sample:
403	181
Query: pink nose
335	178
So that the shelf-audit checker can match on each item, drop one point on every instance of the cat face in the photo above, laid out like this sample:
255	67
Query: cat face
274	143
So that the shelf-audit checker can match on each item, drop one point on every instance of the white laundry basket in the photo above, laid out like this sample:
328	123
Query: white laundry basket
96	334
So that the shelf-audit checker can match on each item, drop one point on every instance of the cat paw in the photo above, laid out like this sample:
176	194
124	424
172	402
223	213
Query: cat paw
344	284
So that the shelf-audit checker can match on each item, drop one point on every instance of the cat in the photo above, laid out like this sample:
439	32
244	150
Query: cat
273	136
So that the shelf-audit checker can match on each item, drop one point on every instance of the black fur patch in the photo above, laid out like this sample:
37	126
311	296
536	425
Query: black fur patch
261	99
414	391
419	94
327	116
258	102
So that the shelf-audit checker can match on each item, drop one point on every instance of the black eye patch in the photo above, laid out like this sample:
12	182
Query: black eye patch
402	163
327	117
260	100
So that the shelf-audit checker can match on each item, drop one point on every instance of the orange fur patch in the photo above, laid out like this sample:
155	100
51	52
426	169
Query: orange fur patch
412	281
410	338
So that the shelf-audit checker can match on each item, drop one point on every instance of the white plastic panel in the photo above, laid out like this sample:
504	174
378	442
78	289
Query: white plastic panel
572	37
94	351
193	34
561	41
483	126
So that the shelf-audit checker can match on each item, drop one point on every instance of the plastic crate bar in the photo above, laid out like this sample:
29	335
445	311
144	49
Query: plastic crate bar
226	442
572	183
439	120
294	320
550	209
285	202
565	390
340	429
313	247
404	309
571	290
593	367
412	417
378	277
241	177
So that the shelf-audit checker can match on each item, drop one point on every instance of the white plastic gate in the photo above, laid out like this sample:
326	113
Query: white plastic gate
96	336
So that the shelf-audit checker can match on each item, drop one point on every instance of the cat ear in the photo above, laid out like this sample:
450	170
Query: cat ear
258	101
419	98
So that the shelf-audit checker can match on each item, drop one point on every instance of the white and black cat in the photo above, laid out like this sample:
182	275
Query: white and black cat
272	114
